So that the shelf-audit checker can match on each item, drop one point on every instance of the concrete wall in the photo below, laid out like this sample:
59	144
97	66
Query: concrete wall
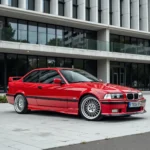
94	11
81	9
103	70
105	11
68	8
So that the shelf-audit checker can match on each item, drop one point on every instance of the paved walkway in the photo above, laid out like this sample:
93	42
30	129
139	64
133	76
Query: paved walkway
43	130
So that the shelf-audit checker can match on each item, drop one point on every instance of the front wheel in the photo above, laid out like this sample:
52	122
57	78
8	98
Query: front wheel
90	108
21	105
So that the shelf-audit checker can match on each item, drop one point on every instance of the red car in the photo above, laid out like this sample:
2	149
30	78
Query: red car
72	91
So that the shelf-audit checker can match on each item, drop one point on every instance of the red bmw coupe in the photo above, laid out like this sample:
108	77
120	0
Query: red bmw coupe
72	91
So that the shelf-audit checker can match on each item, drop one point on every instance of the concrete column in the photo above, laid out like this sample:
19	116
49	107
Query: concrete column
116	12
39	5
126	13
81	9
94	10
68	8
105	11
135	14
4	2
103	37
22	4
143	15
54	7
103	70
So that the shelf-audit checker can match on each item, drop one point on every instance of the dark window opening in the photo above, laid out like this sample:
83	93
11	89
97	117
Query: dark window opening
99	11
75	9
61	5
88	10
46	6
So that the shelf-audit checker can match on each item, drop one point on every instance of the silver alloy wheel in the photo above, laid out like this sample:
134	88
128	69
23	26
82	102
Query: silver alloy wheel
90	108
19	103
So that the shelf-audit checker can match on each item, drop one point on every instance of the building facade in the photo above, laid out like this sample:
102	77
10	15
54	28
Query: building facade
108	38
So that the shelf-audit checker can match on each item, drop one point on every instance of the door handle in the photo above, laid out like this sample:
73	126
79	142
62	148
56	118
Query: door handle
40	87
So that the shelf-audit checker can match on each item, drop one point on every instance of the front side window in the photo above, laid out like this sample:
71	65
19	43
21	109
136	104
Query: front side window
48	76
33	77
75	76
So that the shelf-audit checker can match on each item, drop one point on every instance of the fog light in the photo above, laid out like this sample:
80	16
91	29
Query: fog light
115	110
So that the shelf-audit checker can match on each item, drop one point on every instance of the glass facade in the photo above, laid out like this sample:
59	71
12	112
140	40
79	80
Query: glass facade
135	75
47	34
75	9
126	44
46	6
61	5
88	10
19	65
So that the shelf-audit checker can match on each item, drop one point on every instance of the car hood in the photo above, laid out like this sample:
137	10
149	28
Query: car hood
110	88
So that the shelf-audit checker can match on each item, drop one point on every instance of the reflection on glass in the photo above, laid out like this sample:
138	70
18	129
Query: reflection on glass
68	37
60	36
51	62
11	30
78	37
32	62
32	33
41	62
22	65
51	35
42	34
60	62
22	32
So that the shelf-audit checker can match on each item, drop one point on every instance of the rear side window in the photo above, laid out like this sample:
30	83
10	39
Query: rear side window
32	77
47	76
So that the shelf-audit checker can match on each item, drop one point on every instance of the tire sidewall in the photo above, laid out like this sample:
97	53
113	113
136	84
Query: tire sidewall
99	117
24	110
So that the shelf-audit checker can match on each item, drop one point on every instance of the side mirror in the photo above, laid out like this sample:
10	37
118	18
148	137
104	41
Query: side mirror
57	81
10	79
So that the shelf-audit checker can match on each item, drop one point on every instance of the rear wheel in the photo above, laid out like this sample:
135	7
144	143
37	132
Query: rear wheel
21	105
90	108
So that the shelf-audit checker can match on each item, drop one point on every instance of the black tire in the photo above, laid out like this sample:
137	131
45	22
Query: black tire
90	108
20	104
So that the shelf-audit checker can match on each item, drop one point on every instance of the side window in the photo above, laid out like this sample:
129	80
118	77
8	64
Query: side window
32	77
47	76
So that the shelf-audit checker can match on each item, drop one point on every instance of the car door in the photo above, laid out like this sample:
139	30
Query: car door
49	93
30	86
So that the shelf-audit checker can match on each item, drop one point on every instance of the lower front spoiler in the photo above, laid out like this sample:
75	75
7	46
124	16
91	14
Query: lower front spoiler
123	114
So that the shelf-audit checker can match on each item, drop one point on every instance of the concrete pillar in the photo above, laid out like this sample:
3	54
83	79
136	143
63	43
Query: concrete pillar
103	37
4	2
94	10
105	11
116	12
54	7
39	5
68	8
126	13
143	15
22	4
103	70
81	9
135	14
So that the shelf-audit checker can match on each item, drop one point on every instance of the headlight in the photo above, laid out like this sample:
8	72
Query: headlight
113	96
140	95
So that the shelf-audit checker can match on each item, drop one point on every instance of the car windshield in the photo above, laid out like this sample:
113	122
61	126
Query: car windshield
75	76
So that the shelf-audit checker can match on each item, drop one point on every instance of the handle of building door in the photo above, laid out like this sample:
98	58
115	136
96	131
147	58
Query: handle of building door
39	87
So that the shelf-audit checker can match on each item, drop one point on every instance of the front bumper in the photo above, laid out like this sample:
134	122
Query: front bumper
122	108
